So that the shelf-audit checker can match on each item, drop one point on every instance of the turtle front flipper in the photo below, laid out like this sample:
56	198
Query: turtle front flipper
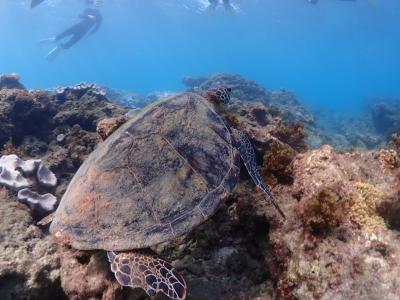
243	144
150	273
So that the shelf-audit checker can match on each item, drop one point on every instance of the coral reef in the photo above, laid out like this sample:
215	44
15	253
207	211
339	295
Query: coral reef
294	135
249	90
386	116
277	160
10	81
395	142
343	247
340	239
346	132
29	262
323	212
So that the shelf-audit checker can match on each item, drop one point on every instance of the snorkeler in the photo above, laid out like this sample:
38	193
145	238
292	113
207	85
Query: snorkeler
227	4
90	23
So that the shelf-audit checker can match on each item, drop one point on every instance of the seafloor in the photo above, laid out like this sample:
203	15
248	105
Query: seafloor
339	188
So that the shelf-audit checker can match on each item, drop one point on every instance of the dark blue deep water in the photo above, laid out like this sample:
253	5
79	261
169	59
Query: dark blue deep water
332	55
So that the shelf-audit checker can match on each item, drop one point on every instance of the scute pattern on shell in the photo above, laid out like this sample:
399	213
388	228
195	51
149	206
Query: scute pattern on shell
158	176
150	273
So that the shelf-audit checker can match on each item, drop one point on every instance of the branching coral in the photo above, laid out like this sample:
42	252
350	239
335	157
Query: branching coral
363	210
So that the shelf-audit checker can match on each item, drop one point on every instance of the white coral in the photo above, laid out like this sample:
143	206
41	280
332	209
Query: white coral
13	169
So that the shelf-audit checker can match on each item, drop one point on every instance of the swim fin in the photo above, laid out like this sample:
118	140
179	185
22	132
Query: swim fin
54	53
35	3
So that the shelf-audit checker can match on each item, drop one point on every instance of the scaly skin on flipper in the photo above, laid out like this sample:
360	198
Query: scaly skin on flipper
150	273
46	220
246	151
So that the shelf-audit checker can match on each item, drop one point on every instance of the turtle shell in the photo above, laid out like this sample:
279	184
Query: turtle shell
157	177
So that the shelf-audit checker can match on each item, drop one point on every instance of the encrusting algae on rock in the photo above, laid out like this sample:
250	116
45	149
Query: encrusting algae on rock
324	211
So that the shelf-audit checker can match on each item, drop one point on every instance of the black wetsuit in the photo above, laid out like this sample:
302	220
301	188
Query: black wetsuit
91	19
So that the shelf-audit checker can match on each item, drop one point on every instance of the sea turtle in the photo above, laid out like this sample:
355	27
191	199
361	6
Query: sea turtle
157	177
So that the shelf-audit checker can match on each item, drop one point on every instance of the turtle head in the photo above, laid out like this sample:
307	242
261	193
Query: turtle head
219	95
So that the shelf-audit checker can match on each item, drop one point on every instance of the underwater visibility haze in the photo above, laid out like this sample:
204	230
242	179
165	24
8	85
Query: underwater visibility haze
334	53
199	149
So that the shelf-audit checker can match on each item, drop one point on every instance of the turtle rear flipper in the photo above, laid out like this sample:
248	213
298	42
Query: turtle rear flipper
150	273
246	151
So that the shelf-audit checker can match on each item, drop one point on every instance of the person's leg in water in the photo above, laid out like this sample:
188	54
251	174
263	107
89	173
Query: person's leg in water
212	5
228	7
77	32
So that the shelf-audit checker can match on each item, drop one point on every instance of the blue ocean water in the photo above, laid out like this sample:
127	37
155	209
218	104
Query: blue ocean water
335	54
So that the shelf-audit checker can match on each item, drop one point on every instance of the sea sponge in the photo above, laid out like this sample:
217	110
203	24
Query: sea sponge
363	210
